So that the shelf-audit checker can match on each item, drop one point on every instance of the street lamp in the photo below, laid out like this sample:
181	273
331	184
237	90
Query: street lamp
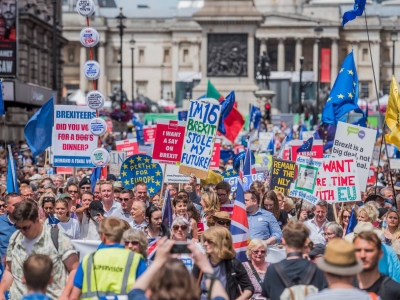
318	33
132	45
301	84
393	38
121	27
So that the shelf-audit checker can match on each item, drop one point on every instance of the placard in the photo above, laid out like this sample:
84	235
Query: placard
249	179
394	163
64	170
172	175
9	59
337	180
231	177
149	133
130	146
317	150
263	139
282	176
263	159
216	155
139	167
356	142
72	141
201	129
117	158
170	135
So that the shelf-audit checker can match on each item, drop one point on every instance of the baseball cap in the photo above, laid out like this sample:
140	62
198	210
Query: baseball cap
95	208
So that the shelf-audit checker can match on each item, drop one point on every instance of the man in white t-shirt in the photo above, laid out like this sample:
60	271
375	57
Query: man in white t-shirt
107	197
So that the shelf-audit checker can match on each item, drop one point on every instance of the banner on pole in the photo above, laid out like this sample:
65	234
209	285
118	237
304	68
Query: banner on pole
282	175
117	158
129	146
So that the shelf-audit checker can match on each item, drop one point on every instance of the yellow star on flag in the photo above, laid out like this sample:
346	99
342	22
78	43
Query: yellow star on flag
131	161
158	173
125	166
153	165
350	95
350	72
158	183
234	172
340	96
126	182
329	99
341	70
227	173
139	158
123	173
146	160
354	83
151	190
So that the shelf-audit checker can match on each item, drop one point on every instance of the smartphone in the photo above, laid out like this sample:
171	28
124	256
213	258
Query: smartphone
200	226
180	247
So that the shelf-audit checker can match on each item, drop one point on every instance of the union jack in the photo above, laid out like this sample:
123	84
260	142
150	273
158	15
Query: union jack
152	248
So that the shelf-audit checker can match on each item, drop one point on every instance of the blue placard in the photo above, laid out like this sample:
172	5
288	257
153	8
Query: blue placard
139	167
231	177
182	115
249	179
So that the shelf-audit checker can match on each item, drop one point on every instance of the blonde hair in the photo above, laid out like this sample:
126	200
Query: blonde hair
254	244
396	246
222	239
279	193
211	201
289	202
370	210
45	195
113	228
396	232
139	236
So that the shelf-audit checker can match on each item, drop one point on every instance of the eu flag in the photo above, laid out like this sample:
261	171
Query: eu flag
350	15
307	146
352	222
96	174
343	97
38	129
271	146
2	112
226	109
326	133
363	120
255	116
12	179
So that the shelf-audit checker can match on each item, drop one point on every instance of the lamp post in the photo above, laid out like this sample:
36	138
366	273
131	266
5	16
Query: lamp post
393	37
301	85
54	85
121	27
318	33
132	45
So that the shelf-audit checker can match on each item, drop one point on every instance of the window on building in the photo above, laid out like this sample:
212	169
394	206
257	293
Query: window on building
386	88
386	54
365	56
116	55
141	56
141	87
71	55
185	57
364	93
167	57
166	90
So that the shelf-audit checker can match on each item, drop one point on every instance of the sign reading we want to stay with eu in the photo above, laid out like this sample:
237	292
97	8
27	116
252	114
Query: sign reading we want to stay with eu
201	130
72	140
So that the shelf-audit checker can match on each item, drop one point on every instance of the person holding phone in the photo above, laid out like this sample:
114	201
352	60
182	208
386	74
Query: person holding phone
179	231
89	216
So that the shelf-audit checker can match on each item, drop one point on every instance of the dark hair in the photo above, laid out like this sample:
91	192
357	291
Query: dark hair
178	199
37	271
208	186
258	187
87	193
72	184
184	192
254	195
48	199
11	195
150	210
25	211
223	185
370	236
127	191
271	195
195	213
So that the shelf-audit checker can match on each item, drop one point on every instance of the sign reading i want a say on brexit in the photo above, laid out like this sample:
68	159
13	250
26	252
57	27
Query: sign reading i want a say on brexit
201	129
72	141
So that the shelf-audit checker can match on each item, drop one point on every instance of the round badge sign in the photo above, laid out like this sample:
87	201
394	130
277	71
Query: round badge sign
98	126
85	7
91	69
95	100
89	37
100	157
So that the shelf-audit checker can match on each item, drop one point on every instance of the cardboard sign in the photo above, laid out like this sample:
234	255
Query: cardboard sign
172	175
201	130
337	180
305	183
64	170
231	177
149	133
216	155
169	141
140	168
394	163
317	150
129	146
356	142
282	175
117	158
72	141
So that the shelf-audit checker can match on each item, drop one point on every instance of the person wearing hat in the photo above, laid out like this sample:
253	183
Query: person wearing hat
91	217
340	267
85	185
317	252
222	219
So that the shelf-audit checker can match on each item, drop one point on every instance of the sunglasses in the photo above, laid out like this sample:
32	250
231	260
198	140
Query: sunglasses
24	228
182	227
208	241
259	252
346	217
125	199
2	206
49	199
72	192
224	223
134	243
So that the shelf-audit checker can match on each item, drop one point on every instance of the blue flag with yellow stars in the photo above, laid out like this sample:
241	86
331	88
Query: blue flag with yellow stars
326	133
307	146
343	97
350	15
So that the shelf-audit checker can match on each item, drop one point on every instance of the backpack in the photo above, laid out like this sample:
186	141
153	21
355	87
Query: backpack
297	289
54	237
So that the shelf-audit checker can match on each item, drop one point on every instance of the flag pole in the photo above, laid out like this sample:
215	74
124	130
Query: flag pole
380	113
10	157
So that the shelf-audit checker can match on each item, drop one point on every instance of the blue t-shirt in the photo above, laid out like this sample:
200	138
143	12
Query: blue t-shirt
138	294
6	231
36	296
78	279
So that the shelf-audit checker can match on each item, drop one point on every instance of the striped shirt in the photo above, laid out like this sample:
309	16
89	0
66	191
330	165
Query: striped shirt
227	207
342	294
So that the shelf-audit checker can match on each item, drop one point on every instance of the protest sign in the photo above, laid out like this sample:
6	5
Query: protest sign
64	170
172	175
48	171
282	175
263	139
305	183
72	141
116	160
337	180
182	115
169	141
201	129
149	133
146	149
317	150
394	163
231	177
371	175
139	167
249	179
129	146
263	159
216	155
356	142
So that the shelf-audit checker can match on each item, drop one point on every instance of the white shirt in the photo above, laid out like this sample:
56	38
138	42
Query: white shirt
89	229
316	233
71	228
119	213
116	205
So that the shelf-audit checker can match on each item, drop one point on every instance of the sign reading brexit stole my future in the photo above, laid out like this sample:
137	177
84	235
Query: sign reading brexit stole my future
72	140
201	130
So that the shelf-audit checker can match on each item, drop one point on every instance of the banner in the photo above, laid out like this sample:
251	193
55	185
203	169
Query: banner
201	130
356	142
168	141
84	247
249	179
317	150
129	146
326	65
216	155
149	133
117	158
282	175
231	177
72	141
8	39
337	180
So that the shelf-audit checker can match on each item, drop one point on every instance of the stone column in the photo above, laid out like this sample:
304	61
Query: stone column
334	60
263	46
281	55
175	63
315	61
102	61
196	56
82	78
298	53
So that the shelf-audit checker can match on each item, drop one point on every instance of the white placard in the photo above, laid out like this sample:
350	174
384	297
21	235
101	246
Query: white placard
117	158
394	163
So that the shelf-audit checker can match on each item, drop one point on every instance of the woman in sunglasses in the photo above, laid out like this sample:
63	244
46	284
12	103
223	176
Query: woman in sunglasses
344	217
180	206
135	240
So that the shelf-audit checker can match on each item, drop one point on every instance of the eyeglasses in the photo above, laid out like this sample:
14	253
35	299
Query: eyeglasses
259	252
125	199
182	227
134	243
86	188
224	223
346	217
221	195
25	228
328	234
72	192
48	208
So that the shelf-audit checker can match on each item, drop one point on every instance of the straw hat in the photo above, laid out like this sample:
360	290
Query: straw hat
222	215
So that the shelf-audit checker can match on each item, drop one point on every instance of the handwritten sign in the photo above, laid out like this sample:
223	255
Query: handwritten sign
201	129
358	143
72	140
169	141
117	158
140	168
283	172
129	146
337	180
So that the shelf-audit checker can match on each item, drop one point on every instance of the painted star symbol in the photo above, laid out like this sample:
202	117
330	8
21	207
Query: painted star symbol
234	172
158	173
158	183
125	166
123	173
126	182
340	96
341	70
228	173
139	158
146	160
350	72
151	190
131	161
354	83
350	95
329	99
153	165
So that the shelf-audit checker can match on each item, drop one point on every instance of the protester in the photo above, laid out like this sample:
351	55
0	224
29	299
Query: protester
173	190
262	223
58	181
50	188
91	218
344	217
222	219
96	192
387	193
223	191
155	229
27	193
113	268
332	230
140	191
185	194
180	208
73	191
304	211
316	224
48	203
270	203
138	212
155	200
392	232
33	237
258	187
107	198
316	252
3	207
37	270
209	203
135	240
288	206
126	200
85	185
193	213
67	224
256	267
